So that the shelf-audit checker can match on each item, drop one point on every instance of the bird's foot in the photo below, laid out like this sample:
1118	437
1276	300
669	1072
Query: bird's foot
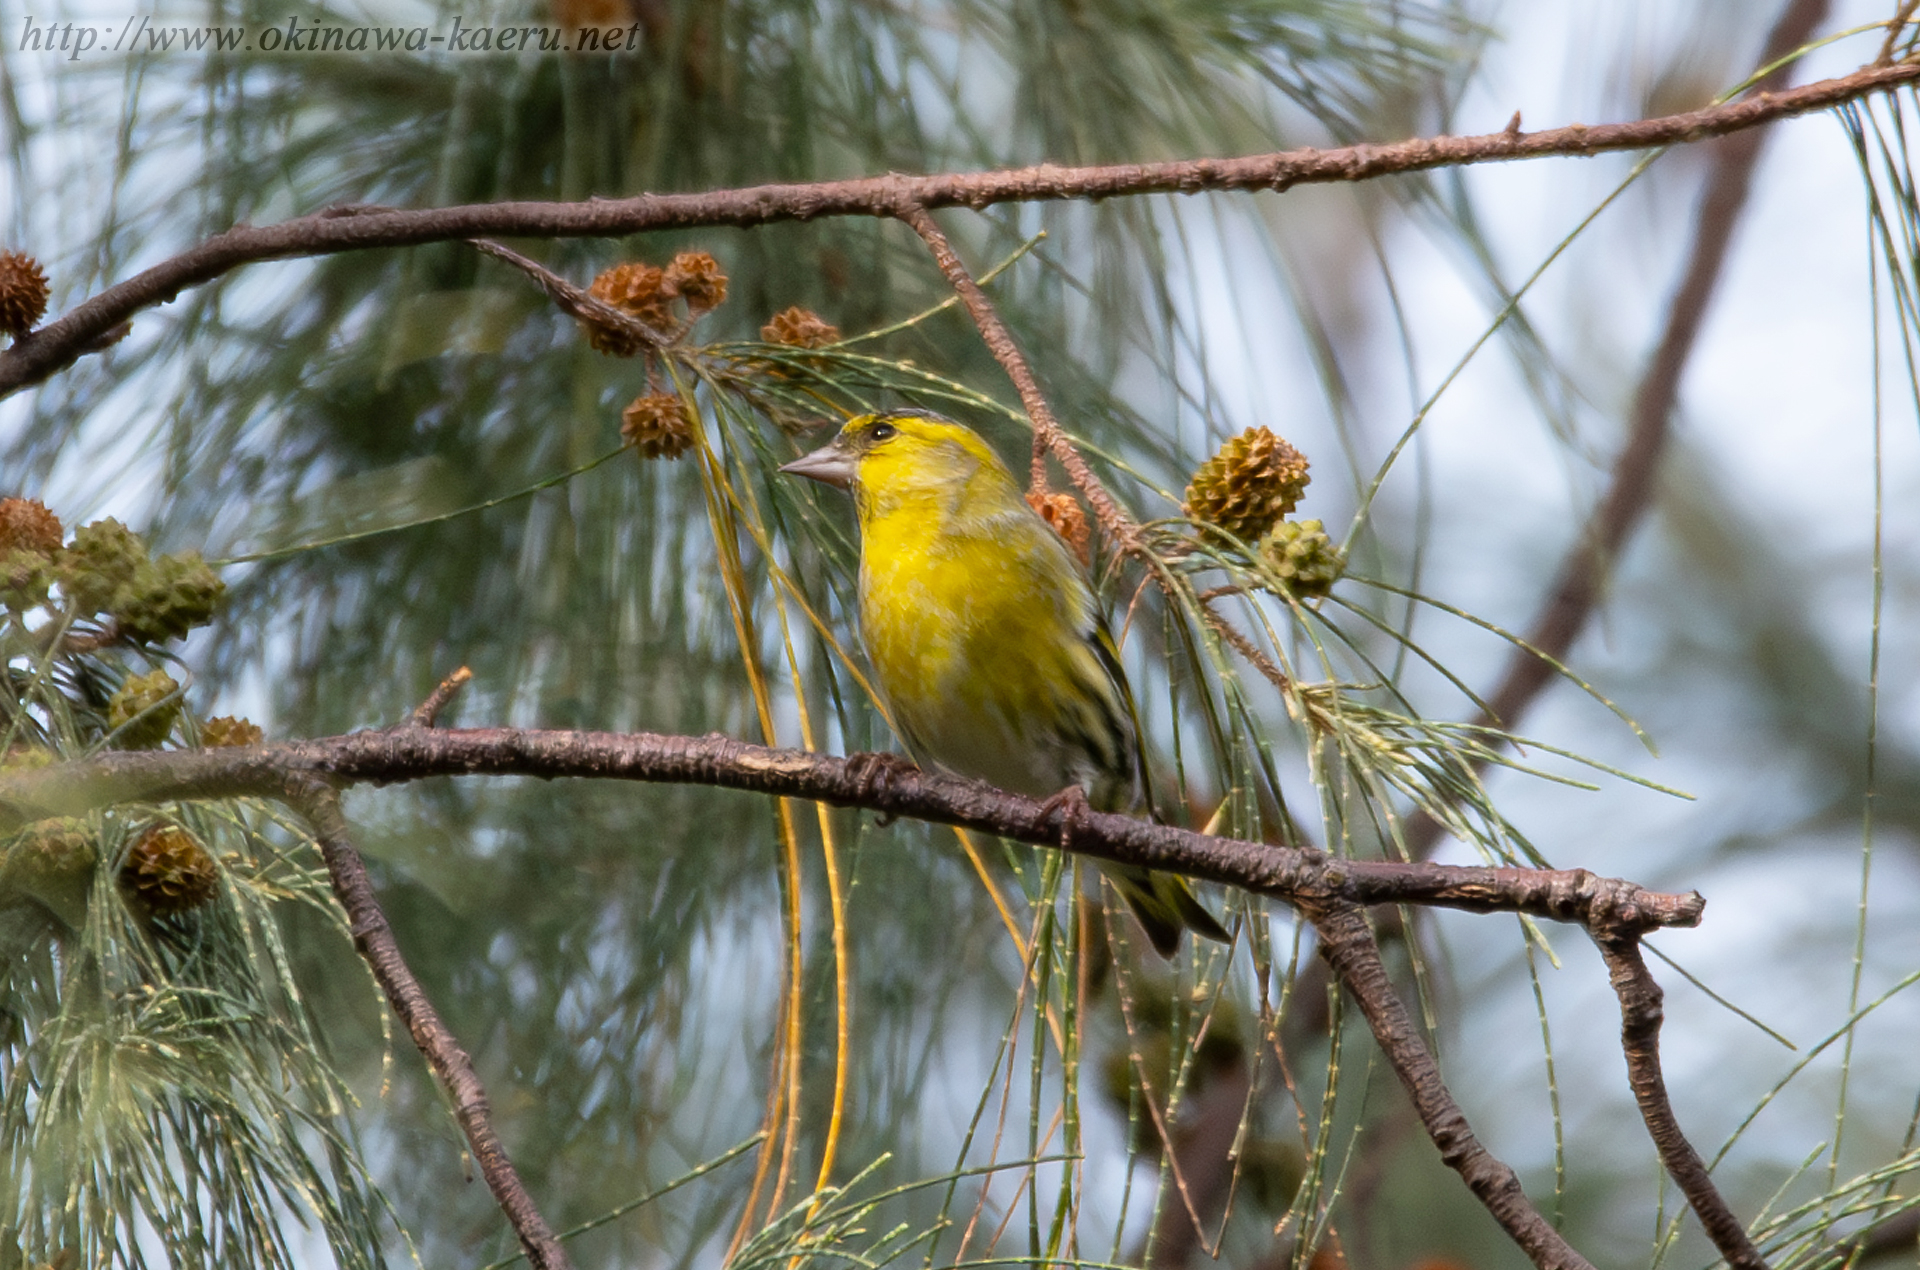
1071	805
873	776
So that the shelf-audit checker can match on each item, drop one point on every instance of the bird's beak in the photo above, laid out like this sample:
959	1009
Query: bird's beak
830	465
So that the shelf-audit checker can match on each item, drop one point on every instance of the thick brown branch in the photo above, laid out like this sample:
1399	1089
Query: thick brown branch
57	345
1296	875
1348	947
374	938
1640	1018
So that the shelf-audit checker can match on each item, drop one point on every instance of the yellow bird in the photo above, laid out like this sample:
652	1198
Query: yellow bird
985	637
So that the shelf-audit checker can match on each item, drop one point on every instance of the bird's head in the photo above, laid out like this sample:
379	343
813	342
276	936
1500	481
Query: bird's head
900	453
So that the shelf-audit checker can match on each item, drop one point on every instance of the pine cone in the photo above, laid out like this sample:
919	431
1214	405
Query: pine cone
53	848
657	426
26	523
171	596
169	871
29	546
107	571
1062	512
695	277
224	731
634	288
1301	555
52	861
143	708
23	292
97	571
799	328
1246	488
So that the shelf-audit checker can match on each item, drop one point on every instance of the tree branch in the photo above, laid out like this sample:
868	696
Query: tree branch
1640	1018
1348	946
320	804
1048	438
1296	875
1330	892
52	348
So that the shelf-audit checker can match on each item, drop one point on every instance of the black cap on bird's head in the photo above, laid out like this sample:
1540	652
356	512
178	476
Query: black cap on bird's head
834	463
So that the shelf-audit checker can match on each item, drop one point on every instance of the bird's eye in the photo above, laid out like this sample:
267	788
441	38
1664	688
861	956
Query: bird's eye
883	431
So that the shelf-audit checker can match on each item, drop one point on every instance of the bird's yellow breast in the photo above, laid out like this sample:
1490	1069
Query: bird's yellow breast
974	617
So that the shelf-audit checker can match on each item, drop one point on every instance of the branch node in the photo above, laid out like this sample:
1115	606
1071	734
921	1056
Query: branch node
429	710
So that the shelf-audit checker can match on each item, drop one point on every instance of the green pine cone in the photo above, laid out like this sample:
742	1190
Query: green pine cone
107	572
99	568
51	861
143	711
1301	557
170	597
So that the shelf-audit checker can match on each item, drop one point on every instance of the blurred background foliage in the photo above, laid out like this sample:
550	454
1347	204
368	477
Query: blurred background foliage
624	963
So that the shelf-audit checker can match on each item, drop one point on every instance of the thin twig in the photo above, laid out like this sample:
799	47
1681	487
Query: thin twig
429	710
1896	1236
1200	1148
34	357
1238	641
1640	1018
574	301
320	804
1580	580
1895	26
1047	433
1349	948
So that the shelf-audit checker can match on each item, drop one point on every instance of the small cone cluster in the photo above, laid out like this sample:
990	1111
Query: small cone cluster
647	292
1245	489
695	277
23	293
226	732
26	523
657	426
1063	513
169	871
634	289
60	847
799	328
142	712
1300	554
52	861
108	570
30	538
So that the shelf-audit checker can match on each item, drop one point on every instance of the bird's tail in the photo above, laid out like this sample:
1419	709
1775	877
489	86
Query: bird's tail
1165	905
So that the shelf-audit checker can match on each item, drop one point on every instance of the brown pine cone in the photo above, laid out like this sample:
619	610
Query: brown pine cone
657	426
23	292
1247	487
169	870
637	289
799	328
1062	512
695	277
